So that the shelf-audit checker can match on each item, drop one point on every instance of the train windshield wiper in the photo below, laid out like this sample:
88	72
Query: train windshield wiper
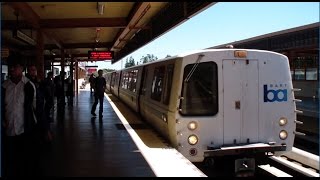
193	68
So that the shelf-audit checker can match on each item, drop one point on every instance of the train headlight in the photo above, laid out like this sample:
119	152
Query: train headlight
283	121
283	134
192	125
192	139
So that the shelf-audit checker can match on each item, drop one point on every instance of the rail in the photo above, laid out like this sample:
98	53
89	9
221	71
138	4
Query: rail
305	160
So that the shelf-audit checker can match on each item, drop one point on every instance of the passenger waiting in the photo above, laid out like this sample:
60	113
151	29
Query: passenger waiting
18	121
59	89
49	89
100	86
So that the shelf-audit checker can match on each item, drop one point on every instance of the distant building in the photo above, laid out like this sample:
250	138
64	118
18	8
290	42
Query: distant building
301	45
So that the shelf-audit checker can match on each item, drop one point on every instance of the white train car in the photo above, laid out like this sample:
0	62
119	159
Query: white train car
107	76
114	83
216	102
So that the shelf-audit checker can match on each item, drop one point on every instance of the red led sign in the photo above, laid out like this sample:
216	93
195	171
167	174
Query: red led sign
100	55
92	70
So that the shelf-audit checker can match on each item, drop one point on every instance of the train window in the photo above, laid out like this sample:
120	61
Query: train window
124	81
157	83
129	80
133	80
311	73
200	91
118	79
168	84
113	77
299	74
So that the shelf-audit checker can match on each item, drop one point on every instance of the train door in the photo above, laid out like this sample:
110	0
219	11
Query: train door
115	85
143	91
240	97
113	82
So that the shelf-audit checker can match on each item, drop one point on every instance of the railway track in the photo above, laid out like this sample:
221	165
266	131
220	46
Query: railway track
297	163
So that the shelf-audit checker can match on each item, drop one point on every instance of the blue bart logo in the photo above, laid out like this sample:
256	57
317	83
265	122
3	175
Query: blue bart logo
271	95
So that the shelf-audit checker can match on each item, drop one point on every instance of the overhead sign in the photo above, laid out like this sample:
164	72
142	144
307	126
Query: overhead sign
23	37
100	55
92	70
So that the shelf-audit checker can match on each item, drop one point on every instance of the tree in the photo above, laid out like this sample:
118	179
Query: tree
129	62
148	58
167	56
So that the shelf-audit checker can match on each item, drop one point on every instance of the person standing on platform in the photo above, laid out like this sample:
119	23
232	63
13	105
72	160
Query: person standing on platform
18	121
69	92
59	90
99	88
49	88
43	133
43	122
91	81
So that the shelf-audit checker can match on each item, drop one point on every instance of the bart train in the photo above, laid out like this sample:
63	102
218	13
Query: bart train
215	102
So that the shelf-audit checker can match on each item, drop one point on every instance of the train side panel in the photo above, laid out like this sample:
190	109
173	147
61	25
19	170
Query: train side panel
115	78
107	76
276	99
199	74
130	86
156	93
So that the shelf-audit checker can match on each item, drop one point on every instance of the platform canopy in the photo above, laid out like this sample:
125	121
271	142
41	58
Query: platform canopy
80	27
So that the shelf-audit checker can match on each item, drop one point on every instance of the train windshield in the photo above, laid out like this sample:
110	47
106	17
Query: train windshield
200	90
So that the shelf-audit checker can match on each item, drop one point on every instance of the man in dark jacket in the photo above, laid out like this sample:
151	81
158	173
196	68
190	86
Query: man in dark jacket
100	86
18	121
59	88
43	125
49	89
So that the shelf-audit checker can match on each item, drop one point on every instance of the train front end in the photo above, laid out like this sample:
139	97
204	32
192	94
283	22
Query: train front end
235	103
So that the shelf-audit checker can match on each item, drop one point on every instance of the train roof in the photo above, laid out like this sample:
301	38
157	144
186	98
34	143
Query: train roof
184	54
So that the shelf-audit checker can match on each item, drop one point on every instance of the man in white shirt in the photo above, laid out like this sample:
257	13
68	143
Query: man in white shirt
19	120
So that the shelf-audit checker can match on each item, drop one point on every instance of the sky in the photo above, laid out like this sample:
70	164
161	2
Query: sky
225	22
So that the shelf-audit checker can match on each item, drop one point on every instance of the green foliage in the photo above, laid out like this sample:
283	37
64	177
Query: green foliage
129	62
148	58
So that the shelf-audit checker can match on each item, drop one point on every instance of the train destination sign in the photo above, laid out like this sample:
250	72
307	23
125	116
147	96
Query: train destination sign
100	55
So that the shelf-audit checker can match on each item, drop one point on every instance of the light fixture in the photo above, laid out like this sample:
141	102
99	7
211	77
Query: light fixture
283	121
97	35
100	7
193	139
192	125
283	134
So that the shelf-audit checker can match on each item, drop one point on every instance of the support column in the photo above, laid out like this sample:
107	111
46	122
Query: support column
72	80
62	70
39	55
77	76
52	68
292	54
